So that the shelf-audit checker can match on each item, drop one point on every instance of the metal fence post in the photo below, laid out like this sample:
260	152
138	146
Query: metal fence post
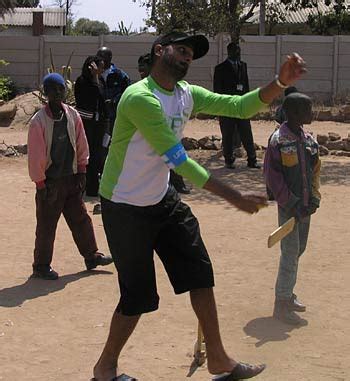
335	67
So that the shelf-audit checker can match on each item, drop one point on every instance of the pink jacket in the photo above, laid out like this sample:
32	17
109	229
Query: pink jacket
40	141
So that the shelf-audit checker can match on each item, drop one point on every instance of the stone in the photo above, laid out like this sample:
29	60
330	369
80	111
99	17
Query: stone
190	143
240	152
21	148
341	153
333	136
345	112
324	151
7	111
337	145
322	139
324	114
346	146
208	143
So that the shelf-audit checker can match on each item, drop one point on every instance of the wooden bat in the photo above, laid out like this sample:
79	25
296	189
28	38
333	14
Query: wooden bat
199	348
281	232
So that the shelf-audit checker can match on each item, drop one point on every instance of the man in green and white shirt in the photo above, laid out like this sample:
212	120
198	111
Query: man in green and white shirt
142	213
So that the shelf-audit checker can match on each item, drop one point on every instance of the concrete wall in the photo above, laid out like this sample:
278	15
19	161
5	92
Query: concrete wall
328	58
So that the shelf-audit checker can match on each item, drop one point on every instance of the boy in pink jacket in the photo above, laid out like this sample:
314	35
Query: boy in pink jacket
57	157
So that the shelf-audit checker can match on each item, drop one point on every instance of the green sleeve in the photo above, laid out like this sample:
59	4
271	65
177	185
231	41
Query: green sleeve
144	111
234	106
194	172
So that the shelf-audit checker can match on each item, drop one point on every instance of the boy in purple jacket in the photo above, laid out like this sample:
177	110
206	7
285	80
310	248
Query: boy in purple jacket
292	173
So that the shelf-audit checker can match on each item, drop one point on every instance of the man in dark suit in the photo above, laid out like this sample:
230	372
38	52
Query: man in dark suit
231	77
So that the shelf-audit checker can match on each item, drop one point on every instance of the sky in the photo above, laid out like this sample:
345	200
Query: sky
109	11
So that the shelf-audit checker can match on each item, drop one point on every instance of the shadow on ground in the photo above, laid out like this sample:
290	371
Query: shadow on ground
246	179
267	329
33	288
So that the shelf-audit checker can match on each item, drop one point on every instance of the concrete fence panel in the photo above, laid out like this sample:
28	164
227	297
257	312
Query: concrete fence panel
328	58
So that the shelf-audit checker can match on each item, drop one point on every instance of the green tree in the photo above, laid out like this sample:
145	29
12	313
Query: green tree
273	16
27	3
68	6
7	6
207	16
87	27
336	21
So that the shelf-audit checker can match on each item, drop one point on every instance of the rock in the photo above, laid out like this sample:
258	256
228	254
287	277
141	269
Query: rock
217	145
345	112
21	148
259	148
27	104
323	150
215	137
322	139
190	143
240	152
337	145
341	153
346	145
324	114
2	102
263	115
210	143
7	111
333	136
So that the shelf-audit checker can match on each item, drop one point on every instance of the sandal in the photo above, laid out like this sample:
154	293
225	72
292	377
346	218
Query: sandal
122	377
241	371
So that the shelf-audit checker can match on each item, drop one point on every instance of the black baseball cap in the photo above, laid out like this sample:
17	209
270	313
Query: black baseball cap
197	42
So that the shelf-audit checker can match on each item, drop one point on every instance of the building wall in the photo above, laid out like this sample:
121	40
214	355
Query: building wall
328	58
28	31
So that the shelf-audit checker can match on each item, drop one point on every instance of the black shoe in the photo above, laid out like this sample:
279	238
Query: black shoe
295	305
254	165
97	209
230	166
183	190
47	273
99	260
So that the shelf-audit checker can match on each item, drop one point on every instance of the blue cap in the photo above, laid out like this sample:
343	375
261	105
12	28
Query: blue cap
53	78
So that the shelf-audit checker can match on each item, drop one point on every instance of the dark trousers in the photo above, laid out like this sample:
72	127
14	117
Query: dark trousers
228	127
63	196
94	133
176	180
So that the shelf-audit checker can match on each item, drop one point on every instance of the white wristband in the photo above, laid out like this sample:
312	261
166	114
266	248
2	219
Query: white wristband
279	83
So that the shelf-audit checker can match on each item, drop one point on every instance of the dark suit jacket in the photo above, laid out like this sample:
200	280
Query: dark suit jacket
231	78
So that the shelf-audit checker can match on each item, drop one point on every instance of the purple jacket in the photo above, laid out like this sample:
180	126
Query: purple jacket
292	168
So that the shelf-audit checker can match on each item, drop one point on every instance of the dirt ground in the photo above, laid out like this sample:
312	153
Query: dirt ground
56	330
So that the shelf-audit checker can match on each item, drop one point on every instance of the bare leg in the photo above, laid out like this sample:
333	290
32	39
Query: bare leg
203	303
122	327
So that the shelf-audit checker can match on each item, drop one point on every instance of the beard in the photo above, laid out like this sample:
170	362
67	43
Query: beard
175	69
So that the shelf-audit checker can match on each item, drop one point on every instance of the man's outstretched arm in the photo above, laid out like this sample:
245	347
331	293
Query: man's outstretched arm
249	202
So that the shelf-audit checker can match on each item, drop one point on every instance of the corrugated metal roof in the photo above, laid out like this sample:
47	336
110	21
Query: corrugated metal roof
297	17
55	17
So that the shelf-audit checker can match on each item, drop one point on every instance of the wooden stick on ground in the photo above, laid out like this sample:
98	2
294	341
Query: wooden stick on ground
200	353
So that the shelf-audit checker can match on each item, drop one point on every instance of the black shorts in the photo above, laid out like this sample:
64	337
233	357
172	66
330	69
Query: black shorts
171	230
